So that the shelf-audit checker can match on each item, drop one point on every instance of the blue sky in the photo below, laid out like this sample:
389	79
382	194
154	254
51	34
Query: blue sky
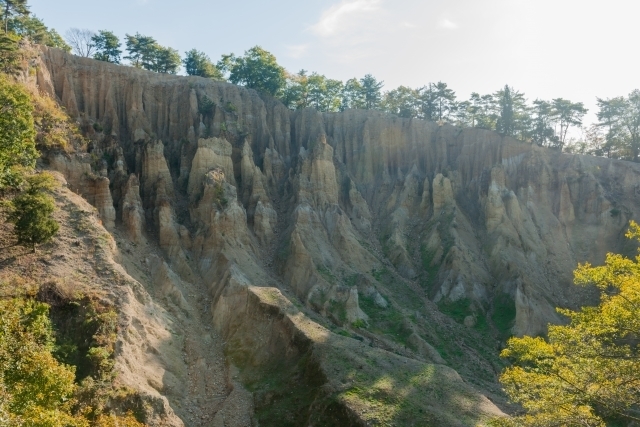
544	48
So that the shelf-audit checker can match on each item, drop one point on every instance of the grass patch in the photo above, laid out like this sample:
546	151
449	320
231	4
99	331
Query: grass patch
388	322
327	274
430	272
457	310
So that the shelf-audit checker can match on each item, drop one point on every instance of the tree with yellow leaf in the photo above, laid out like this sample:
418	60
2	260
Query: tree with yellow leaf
585	373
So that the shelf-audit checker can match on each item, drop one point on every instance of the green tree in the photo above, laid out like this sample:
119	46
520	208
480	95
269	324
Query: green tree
445	101
9	53
437	102
11	8
197	63
371	91
295	94
353	95
631	123
17	132
609	114
541	132
141	49
31	27
107	47
513	118
145	52
31	212
585	373
324	94
402	101
427	103
484	114
165	60
506	120
36	390
566	114
258	69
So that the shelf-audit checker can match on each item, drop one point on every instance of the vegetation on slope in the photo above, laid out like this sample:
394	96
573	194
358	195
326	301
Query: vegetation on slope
56	350
584	373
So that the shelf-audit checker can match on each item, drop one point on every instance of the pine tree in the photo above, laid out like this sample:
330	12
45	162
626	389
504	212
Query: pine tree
12	8
107	47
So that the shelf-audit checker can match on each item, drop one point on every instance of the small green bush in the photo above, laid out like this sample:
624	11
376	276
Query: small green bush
31	212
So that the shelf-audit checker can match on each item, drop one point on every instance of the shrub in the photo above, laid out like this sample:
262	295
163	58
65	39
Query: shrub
31	212
17	132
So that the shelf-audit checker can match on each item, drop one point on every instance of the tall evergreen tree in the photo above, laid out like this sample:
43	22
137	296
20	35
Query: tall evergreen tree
107	47
445	101
506	119
371	91
12	8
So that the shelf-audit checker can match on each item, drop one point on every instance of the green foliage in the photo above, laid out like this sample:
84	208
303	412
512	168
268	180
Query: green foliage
371	91
504	314
315	91
10	55
197	63
36	31
107	46
385	321
206	106
17	132
145	52
31	212
36	389
567	114
457	310
352	95
258	69
13	9
620	117
402	101
585	373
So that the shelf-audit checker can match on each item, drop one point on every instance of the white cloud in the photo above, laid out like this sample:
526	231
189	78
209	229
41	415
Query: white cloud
297	51
447	24
409	25
343	16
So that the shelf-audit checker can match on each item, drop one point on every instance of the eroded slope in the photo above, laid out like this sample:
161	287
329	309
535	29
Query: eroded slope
423	245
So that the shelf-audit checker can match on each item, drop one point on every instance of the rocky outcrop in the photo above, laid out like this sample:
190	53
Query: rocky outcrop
132	212
377	225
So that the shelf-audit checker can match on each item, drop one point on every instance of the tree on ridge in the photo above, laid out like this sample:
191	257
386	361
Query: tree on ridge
107	46
81	41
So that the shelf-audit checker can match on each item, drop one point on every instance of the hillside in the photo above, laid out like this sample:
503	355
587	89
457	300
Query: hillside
320	268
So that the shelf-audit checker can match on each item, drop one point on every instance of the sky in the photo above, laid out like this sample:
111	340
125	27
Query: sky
573	49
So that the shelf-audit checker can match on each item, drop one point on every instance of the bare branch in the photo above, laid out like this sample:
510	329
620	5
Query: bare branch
80	41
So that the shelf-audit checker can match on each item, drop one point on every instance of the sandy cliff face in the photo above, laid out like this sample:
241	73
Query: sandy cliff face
373	224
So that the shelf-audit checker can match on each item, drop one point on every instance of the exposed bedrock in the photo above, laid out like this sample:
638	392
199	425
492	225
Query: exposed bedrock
371	221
